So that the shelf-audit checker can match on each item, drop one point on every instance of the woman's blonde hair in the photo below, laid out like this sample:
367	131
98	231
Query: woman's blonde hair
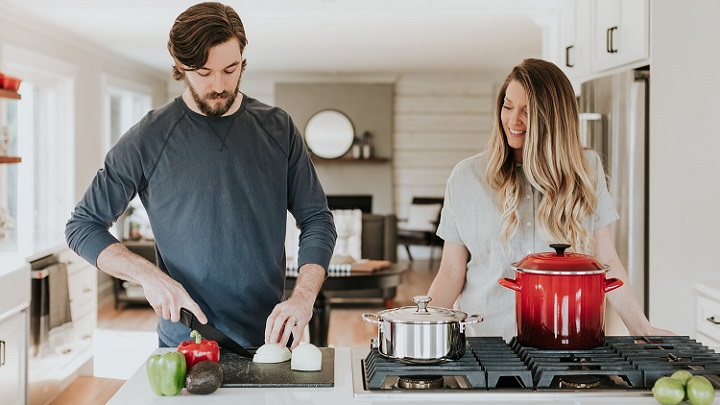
553	159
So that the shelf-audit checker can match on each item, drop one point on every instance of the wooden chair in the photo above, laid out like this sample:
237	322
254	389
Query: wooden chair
421	224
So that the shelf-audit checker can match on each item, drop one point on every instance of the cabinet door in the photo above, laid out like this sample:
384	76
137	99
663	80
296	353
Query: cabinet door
621	33
575	43
13	360
707	317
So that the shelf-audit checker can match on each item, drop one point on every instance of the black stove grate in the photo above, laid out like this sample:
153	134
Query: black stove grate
659	356
378	368
549	366
500	361
487	361
623	362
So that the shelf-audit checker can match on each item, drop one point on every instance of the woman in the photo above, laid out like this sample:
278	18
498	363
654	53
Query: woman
533	186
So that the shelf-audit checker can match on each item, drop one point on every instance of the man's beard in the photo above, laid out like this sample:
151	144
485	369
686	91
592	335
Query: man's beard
207	108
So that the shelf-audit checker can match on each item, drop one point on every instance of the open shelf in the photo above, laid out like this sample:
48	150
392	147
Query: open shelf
9	94
10	159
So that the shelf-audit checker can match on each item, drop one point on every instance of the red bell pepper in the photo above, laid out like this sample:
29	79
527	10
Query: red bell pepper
199	349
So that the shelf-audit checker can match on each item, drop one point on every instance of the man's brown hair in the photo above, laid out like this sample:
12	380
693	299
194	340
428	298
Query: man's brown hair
198	29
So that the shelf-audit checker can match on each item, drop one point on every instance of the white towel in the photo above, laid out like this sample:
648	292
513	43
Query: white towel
348	247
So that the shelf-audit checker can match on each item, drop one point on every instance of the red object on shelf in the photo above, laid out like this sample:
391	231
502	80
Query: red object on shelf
10	83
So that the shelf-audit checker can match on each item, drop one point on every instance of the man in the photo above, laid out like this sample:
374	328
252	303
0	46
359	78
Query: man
216	171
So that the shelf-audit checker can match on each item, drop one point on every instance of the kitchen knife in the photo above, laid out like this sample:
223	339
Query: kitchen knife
207	331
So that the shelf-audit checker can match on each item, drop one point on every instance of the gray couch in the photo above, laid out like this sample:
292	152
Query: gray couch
379	237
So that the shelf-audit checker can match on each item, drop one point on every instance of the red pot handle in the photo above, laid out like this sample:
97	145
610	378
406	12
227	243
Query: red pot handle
509	283
612	284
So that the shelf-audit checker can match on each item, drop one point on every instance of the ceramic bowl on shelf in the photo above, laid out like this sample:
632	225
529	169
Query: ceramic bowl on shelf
10	83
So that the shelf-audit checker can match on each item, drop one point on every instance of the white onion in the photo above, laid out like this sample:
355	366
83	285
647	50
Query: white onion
306	357
271	353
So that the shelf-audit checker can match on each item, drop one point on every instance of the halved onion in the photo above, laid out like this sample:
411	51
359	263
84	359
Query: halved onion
271	353
306	357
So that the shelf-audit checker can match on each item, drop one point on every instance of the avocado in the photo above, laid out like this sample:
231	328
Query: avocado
204	378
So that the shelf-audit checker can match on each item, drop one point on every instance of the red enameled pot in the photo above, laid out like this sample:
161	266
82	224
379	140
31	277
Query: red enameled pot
560	299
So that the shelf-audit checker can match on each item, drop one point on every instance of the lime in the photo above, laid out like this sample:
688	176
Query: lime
700	391
682	375
668	391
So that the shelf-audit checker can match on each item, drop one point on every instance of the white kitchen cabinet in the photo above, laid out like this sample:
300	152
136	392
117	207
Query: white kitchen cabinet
620	34
707	314
13	357
15	293
55	370
575	43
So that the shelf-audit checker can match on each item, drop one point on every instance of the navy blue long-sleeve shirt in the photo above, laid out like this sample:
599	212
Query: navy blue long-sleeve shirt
216	191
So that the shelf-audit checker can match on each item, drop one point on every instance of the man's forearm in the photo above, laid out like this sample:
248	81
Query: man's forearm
118	261
309	282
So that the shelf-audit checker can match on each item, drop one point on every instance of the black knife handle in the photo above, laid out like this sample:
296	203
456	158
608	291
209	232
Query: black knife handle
186	317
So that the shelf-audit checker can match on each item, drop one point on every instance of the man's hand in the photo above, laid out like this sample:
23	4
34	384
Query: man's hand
293	315
164	294
167	296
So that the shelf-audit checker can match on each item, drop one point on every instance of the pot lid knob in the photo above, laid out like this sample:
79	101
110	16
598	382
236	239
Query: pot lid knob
559	248
422	302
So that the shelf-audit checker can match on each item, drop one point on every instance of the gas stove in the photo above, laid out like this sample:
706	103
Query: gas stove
491	366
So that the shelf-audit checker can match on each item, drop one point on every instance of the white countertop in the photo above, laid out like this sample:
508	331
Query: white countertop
137	391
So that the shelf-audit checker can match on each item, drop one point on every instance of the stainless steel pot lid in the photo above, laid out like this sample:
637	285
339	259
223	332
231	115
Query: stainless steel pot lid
422	313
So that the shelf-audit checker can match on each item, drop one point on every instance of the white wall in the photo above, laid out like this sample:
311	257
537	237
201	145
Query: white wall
684	164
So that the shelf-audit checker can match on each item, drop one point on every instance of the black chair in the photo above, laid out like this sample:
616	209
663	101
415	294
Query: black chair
421	224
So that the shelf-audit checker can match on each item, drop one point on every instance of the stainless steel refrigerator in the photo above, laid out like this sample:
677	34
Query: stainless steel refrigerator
614	122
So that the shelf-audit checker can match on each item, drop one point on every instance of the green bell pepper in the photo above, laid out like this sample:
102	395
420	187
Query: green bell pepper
166	373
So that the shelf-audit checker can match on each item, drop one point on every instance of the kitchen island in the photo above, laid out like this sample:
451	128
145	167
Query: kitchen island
137	391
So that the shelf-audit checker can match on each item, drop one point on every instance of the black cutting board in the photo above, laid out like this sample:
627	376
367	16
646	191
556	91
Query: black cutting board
242	372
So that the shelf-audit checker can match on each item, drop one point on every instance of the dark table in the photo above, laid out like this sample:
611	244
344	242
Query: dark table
319	323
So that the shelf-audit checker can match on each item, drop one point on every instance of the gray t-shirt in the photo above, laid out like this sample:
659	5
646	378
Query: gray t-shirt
470	217
216	191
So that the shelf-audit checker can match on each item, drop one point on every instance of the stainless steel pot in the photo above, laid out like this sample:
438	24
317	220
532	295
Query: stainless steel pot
421	334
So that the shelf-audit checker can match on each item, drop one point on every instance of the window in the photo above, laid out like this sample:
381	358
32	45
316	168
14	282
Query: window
37	192
125	104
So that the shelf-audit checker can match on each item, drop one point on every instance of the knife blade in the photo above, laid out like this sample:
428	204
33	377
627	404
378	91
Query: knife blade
207	331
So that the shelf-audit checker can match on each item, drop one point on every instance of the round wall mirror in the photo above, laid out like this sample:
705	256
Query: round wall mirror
329	134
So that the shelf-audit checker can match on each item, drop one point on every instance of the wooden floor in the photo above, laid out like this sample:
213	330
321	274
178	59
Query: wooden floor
346	329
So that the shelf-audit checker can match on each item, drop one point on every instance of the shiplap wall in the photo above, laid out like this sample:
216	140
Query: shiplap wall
439	121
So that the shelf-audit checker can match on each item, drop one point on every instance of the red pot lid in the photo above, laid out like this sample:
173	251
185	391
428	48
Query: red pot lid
560	262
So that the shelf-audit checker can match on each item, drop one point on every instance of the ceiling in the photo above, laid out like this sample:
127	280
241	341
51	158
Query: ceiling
319	36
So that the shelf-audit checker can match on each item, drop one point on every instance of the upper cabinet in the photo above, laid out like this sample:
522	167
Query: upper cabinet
621	34
589	37
574	35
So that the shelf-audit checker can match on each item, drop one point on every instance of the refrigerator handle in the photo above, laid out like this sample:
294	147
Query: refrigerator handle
585	133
